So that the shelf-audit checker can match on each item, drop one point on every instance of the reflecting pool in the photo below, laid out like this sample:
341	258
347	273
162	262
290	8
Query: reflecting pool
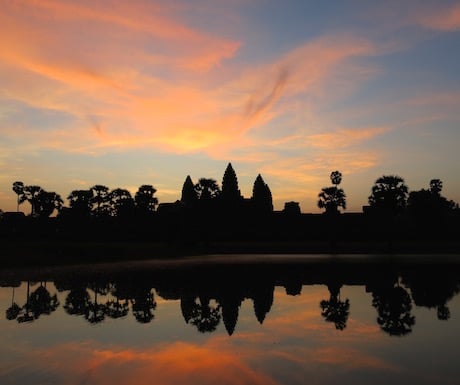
255	320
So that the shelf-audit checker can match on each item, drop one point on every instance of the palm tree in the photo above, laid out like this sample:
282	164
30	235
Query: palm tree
31	194
336	177
207	189
335	310
18	188
389	193
331	198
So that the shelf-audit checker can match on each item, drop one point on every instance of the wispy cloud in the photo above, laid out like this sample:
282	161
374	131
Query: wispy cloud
441	18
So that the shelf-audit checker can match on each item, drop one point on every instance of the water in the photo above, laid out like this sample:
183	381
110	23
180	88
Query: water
254	320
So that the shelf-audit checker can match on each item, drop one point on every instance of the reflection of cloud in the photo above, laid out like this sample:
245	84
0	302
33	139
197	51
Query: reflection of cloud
351	358
176	363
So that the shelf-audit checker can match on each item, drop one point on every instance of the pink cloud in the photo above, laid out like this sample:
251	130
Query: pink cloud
441	19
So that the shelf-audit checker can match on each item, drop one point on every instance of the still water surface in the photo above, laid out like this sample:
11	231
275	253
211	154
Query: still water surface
222	323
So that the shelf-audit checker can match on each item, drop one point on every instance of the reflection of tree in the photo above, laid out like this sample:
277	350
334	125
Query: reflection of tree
143	305
115	308
204	316
335	310
77	301
39	302
96	311
433	289
13	311
394	310
42	302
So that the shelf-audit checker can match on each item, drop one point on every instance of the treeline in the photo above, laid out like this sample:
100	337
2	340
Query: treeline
207	211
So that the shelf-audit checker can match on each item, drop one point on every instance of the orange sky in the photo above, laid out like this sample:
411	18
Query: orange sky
125	94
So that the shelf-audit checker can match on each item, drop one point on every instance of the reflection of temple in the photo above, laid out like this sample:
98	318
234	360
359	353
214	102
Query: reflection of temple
211	295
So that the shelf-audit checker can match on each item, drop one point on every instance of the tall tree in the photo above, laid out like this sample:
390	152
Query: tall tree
145	200
189	195
80	202
230	191
389	193
100	200
31	194
261	196
122	202
18	188
332	198
47	202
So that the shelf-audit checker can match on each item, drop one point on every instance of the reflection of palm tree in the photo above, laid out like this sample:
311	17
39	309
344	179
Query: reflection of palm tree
394	310
42	302
13	311
335	310
204	316
25	314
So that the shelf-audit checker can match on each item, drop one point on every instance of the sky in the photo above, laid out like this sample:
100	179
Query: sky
147	92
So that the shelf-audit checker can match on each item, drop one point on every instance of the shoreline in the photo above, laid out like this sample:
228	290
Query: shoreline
17	253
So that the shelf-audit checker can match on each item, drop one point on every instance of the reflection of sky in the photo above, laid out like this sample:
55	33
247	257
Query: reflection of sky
294	345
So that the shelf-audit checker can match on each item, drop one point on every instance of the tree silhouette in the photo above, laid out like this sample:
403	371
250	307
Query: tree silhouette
336	177
331	198
189	195
31	194
435	186
261	196
101	200
18	188
207	189
145	200
47	202
80	202
389	193
122	202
